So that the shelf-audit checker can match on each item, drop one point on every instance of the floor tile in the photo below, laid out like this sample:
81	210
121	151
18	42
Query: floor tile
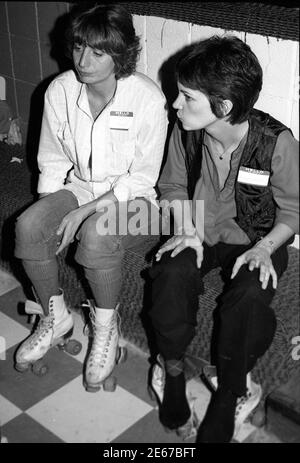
7	282
23	429
26	389
149	430
92	417
11	333
133	374
8	410
12	304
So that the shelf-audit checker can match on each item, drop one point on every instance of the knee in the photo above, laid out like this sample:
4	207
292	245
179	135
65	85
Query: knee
28	226
96	244
182	266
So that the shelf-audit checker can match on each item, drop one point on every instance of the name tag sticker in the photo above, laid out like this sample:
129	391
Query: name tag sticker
253	176
120	120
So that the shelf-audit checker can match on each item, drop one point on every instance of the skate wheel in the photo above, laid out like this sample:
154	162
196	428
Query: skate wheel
73	347
21	367
122	355
39	368
110	384
258	418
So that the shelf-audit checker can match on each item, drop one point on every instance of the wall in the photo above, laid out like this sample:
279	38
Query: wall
25	59
25	49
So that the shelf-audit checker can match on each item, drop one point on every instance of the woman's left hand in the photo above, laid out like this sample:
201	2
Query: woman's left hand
257	257
68	227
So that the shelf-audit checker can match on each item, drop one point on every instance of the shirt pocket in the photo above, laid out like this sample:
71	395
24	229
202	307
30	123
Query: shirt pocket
123	154
67	142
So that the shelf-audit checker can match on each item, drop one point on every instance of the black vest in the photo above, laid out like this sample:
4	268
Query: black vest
255	204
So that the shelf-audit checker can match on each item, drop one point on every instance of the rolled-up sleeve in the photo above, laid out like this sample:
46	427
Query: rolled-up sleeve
285	180
143	172
52	161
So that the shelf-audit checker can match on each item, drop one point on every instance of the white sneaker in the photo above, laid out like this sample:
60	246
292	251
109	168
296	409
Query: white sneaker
50	331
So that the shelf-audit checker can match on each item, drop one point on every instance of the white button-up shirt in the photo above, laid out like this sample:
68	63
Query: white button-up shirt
120	151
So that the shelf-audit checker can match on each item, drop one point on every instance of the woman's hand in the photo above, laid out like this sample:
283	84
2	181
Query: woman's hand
69	226
257	257
179	243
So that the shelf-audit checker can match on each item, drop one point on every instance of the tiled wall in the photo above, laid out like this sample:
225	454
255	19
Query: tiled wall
25	58
25	49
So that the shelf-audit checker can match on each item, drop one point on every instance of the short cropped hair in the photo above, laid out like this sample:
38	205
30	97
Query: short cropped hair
109	28
223	68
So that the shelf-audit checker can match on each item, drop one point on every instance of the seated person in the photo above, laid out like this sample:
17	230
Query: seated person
239	169
101	146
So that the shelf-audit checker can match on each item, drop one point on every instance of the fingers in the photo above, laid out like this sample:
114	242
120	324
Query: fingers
238	263
253	263
168	246
68	237
199	257
274	277
264	276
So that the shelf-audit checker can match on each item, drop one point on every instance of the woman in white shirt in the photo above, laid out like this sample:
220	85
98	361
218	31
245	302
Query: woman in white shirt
101	146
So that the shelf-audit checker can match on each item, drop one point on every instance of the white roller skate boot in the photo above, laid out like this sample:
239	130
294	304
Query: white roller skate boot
105	351
156	392
51	330
246	405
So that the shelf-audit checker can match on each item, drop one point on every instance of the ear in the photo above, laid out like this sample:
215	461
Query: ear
227	107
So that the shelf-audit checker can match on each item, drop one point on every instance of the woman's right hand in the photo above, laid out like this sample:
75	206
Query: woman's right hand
180	242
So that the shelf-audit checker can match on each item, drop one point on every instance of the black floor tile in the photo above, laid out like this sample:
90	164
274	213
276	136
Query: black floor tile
23	429
26	389
149	430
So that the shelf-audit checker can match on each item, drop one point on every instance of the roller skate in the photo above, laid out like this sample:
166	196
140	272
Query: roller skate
156	391
248	406
105	351
54	329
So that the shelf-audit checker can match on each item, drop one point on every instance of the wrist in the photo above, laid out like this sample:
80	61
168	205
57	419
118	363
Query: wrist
266	244
191	231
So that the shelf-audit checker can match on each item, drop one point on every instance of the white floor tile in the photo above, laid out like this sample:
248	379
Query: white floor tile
7	282
77	416
8	410
11	333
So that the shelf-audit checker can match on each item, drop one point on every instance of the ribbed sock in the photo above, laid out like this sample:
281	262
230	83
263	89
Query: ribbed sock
105	285
218	423
44	278
174	410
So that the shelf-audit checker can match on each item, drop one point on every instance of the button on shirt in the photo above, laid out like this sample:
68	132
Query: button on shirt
120	151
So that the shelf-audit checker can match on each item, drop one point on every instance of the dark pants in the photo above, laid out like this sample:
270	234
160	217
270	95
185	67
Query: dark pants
246	321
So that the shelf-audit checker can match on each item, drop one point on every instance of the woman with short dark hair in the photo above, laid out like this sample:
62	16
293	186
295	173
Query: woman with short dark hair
239	167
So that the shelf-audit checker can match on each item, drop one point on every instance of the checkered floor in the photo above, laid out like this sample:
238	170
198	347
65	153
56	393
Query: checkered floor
56	408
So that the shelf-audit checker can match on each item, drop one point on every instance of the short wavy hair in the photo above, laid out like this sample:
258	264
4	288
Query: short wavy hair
223	68
106	27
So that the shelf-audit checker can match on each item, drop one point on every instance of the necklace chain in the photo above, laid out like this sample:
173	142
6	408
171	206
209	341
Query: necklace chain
221	156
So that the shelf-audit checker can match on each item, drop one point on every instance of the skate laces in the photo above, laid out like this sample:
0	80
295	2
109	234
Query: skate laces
241	401
103	333
44	325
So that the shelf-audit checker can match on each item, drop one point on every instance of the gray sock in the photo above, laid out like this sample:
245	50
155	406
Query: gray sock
105	285
44	278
